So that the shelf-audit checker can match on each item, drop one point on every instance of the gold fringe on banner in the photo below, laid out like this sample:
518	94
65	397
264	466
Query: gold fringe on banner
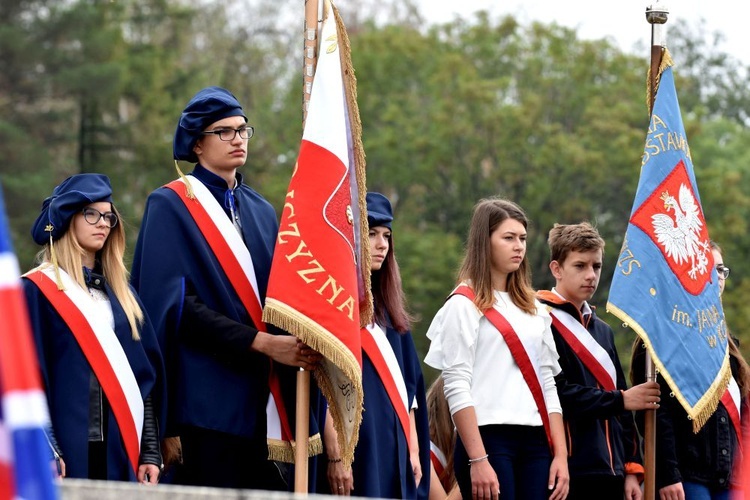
350	84
705	406
333	351
283	451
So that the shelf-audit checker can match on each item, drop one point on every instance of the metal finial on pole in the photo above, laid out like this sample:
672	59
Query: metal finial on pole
657	15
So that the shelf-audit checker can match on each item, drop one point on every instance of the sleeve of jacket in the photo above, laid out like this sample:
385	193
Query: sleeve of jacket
210	331
667	465
630	437
150	451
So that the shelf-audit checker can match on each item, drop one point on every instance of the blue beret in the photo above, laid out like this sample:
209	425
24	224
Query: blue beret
207	106
379	212
70	197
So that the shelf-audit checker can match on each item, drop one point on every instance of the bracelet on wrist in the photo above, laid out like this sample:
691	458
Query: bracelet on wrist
478	459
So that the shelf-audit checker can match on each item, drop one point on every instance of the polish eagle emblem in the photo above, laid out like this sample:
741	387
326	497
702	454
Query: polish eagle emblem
678	230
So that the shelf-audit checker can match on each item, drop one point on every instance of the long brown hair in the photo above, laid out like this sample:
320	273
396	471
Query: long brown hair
388	295
442	431
476	268
70	259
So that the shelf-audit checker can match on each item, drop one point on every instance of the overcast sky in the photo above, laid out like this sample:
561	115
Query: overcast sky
623	20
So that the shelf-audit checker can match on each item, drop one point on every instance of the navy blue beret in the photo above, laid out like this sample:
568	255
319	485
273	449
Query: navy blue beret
209	105
69	198
379	212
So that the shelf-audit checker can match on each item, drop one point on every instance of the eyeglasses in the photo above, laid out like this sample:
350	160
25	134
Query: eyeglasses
93	216
723	271
228	134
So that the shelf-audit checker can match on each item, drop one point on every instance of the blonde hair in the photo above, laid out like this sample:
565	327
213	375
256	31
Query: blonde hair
69	254
489	213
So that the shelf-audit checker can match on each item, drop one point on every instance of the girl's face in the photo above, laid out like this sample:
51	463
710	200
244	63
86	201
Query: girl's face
380	244
508	242
92	226
719	262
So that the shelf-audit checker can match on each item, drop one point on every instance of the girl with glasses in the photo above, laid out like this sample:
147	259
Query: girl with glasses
98	354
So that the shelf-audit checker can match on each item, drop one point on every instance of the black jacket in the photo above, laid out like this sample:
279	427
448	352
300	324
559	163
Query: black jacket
601	435
682	455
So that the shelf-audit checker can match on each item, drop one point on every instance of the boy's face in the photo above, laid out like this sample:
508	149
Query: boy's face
578	276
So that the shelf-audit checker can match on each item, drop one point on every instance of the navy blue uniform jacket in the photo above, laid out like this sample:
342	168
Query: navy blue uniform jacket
601	435
382	467
66	376
215	382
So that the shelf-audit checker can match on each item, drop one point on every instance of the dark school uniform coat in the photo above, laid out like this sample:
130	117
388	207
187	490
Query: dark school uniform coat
66	376
215	382
601	435
382	467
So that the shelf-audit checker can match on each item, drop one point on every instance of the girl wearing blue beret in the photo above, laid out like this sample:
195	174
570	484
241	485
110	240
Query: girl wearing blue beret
391	459
100	362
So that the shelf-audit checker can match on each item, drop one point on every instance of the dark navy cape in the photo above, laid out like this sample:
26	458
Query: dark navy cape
206	389
66	376
382	467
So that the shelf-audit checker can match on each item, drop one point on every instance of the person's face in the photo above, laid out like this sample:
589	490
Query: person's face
508	246
719	261
578	275
380	244
222	156
92	237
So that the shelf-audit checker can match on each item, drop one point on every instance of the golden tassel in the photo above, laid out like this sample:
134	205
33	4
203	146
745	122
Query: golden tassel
188	187
53	257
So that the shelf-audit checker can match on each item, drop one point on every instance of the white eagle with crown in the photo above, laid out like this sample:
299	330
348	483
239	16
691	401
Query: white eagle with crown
681	236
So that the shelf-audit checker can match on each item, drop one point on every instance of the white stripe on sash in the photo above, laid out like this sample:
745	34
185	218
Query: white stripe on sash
592	346
438	454
390	360
734	391
226	228
109	343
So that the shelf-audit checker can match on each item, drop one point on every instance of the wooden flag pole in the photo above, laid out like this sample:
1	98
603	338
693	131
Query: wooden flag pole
302	410
656	15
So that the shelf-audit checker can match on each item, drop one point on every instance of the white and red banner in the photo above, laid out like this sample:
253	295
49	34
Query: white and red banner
319	284
25	457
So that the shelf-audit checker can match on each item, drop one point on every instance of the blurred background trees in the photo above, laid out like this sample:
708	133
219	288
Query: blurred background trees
451	113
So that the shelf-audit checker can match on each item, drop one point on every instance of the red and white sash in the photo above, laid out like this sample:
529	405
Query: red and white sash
731	401
376	346
529	369
236	261
438	459
103	352
589	351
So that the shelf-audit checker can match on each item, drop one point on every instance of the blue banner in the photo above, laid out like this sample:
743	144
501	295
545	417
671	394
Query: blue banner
665	286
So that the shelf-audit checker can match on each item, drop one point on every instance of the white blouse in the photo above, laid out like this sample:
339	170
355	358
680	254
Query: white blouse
478	368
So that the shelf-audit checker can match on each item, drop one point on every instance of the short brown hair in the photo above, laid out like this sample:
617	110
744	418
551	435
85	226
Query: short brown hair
566	238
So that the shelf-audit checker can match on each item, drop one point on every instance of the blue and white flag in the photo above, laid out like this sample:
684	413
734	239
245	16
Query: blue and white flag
25	456
665	286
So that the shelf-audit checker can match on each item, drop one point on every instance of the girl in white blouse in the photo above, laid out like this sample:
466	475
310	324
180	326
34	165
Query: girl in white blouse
492	340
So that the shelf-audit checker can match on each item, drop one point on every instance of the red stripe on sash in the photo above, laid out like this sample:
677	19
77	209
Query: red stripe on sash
92	350
734	414
370	347
236	276
588	359
520	356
